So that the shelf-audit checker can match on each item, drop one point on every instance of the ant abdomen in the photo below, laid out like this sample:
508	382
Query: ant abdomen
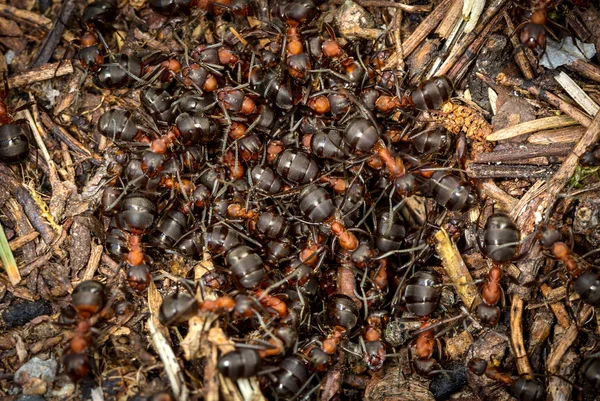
587	286
500	238
590	371
528	390
432	94
291	376
422	294
243	362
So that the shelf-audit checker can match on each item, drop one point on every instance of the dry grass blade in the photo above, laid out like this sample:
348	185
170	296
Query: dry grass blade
8	259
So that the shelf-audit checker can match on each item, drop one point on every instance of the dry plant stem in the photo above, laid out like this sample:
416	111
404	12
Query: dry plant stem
532	126
455	267
460	68
68	140
562	317
93	262
22	240
565	342
68	164
42	146
211	379
489	188
53	38
459	49
169	360
585	69
393	4
577	94
398	39
446	27
487	171
516	335
41	73
422	31
8	259
549	97
30	207
520	57
562	135
33	18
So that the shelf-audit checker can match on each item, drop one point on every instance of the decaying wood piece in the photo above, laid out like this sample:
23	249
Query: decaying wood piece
455	267
37	217
516	336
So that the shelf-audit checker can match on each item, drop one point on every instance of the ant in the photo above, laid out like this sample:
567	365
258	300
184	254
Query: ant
90	304
523	389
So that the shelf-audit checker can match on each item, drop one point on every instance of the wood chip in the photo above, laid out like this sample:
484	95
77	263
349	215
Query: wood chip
455	267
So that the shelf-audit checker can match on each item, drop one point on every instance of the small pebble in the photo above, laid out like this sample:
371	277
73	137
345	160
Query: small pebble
37	368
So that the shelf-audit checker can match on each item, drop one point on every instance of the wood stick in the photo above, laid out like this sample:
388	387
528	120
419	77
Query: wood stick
586	69
489	188
577	94
472	51
532	126
516	336
566	340
455	267
518	152
463	45
22	240
520	57
41	73
562	317
53	38
422	31
562	135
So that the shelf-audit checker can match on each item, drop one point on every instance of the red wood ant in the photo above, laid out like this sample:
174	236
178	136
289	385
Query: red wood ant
90	304
586	283
523	389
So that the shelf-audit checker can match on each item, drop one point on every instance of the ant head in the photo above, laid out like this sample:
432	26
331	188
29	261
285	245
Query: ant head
88	298
548	236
